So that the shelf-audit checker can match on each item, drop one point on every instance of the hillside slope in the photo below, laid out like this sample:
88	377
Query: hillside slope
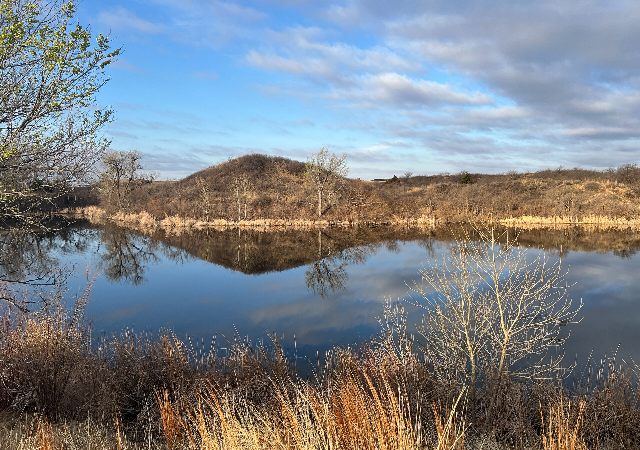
258	187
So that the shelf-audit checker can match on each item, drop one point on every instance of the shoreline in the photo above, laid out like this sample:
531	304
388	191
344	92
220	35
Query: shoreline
146	223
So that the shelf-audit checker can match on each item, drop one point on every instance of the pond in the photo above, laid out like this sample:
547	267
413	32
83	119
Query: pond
325	288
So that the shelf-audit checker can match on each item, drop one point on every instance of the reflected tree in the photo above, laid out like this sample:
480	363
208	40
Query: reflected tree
328	273
30	258
393	246
428	245
175	254
326	276
244	259
26	258
626	253
29	264
125	256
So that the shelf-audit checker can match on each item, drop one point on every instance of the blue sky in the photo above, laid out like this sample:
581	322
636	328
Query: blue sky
425	86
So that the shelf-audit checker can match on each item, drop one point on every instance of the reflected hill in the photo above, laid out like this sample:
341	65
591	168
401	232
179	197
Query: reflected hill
257	252
123	254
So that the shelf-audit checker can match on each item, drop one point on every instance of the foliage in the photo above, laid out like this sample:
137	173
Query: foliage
466	178
50	73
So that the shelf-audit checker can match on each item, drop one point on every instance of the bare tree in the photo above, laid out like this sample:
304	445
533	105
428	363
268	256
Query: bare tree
242	188
491	311
204	193
324	173
121	175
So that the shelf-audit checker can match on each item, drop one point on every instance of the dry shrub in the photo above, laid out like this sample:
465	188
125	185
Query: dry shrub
44	354
140	366
612	410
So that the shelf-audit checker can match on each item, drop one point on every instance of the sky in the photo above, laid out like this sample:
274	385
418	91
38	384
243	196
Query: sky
425	86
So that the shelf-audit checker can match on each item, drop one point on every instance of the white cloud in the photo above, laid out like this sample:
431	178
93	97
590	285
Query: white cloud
598	131
121	18
399	90
299	51
275	63
504	112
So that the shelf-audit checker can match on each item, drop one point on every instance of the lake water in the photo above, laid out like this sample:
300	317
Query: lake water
325	288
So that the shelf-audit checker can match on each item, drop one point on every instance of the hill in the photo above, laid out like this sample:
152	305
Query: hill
259	187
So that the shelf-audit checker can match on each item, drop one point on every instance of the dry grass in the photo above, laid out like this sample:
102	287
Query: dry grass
560	432
357	413
177	225
171	421
36	433
450	428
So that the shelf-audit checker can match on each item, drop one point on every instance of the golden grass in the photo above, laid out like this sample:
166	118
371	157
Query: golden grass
171	421
359	412
47	438
176	225
560	433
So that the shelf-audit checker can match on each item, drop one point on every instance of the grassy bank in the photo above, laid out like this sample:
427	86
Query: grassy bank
146	223
134	392
175	225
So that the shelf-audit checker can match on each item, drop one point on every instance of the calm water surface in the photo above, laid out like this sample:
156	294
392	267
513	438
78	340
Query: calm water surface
324	288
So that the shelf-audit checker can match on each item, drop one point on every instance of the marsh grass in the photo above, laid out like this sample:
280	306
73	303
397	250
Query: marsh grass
178	225
589	222
369	399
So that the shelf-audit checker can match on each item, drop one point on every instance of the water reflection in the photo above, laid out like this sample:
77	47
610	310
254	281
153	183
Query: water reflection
31	258
325	287
125	256
328	273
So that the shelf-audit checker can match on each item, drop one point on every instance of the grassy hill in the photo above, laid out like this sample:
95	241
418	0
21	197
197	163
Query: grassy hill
256	187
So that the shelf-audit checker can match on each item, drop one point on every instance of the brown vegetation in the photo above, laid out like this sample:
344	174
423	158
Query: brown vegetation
131	392
263	191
